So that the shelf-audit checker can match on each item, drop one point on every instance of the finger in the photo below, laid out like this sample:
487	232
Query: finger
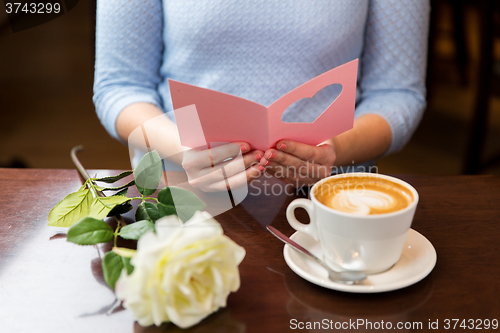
230	167
248	164
258	155
232	183
306	172
244	178
195	159
253	157
244	146
285	159
237	164
316	154
209	182
279	171
224	152
254	172
248	158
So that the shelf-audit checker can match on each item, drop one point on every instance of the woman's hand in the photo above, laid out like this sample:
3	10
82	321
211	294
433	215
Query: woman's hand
303	164
298	163
229	166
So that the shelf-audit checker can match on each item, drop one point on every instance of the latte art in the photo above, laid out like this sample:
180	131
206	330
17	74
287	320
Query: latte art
362	203
363	195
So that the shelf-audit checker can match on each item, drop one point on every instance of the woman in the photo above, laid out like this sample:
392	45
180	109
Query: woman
260	50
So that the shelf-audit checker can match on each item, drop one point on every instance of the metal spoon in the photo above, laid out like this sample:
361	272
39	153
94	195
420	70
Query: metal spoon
341	277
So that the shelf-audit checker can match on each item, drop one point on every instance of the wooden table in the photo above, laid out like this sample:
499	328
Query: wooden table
49	285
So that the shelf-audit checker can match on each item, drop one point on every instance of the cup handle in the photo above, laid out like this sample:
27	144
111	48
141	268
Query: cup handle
310	228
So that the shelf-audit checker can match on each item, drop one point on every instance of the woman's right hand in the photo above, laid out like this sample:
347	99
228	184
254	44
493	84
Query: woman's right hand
228	166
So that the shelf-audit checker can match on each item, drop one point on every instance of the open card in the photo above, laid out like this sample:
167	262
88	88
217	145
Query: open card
221	117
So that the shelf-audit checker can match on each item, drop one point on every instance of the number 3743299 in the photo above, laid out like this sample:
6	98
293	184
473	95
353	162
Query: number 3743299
32	8
477	324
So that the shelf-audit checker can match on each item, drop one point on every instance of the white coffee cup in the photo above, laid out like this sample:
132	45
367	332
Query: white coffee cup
364	243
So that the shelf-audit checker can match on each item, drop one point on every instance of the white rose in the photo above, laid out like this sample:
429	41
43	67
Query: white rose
182	273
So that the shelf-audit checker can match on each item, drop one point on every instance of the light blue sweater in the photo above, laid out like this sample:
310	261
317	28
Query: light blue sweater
262	49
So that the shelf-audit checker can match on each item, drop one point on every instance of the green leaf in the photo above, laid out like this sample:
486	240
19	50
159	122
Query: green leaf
112	265
101	206
89	231
130	183
148	173
122	192
137	229
127	265
124	252
113	179
185	205
99	188
147	211
121	209
72	208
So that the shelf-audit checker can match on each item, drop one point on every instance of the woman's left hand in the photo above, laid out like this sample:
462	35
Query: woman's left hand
298	163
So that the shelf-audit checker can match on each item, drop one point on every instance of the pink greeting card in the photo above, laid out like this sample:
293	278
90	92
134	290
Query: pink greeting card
221	117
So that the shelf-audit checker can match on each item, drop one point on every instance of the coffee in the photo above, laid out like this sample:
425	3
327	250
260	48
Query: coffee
363	195
358	234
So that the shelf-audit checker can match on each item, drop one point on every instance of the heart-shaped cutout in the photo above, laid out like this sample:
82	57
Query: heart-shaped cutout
307	110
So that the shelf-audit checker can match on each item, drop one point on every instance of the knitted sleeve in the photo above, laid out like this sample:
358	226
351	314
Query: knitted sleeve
393	66
129	48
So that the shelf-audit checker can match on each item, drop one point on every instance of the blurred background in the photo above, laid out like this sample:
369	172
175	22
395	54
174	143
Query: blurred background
46	77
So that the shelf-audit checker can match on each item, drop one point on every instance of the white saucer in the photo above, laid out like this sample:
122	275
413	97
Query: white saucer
417	261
